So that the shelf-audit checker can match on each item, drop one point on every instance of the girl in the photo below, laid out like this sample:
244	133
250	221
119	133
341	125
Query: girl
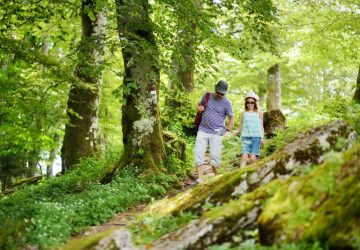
252	129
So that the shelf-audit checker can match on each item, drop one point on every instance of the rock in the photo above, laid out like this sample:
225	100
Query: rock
119	240
303	151
298	209
273	120
240	196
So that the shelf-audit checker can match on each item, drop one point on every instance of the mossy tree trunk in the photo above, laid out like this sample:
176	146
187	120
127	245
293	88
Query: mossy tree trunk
142	132
357	91
273	118
274	88
82	130
182	72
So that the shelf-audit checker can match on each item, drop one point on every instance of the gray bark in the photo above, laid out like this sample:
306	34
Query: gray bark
142	132
274	88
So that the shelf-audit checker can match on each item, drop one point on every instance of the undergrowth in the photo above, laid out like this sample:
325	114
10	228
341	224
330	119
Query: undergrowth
45	215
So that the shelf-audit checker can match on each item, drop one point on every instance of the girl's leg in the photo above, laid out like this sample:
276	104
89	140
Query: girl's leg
252	158
244	160
254	148
245	150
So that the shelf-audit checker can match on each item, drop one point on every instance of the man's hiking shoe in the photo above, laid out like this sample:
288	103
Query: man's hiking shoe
215	170
196	182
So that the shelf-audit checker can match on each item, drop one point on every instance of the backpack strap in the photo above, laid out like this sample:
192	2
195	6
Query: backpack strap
207	97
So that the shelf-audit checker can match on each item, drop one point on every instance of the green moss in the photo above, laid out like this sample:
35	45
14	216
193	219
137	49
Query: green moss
85	243
236	208
312	153
286	214
150	228
195	198
322	206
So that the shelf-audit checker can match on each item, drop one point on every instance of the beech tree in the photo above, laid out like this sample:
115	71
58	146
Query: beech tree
274	88
142	132
82	131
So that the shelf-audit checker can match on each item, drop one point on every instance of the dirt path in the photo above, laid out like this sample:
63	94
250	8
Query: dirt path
120	220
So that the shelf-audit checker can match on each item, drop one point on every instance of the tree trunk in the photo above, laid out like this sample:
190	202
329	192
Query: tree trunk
82	130
274	88
142	132
357	91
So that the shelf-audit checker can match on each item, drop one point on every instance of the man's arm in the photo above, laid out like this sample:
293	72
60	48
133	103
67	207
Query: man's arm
230	123
200	107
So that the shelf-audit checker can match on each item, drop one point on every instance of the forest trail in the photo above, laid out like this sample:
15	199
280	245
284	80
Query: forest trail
120	220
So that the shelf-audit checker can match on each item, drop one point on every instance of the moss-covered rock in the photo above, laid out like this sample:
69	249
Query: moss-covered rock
273	120
305	150
322	206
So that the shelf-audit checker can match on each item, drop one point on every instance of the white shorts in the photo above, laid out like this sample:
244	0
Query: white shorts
202	141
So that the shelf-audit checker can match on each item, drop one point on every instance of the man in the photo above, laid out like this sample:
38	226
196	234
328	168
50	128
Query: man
212	128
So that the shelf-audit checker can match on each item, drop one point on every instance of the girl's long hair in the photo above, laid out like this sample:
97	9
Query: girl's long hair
255	105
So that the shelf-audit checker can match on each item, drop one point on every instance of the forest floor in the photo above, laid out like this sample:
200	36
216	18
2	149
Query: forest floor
123	219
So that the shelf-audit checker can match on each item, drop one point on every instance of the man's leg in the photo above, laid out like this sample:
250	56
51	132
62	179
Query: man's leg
215	152
199	152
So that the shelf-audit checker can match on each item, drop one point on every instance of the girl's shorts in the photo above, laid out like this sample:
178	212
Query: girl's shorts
250	145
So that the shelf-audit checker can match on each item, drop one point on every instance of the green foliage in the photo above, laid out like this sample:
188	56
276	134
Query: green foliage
36	68
343	108
178	113
175	165
47	214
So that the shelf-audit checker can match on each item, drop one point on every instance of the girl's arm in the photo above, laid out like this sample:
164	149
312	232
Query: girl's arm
238	130
261	115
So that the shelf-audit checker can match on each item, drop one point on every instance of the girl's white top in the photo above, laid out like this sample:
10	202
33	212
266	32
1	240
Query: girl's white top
251	125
